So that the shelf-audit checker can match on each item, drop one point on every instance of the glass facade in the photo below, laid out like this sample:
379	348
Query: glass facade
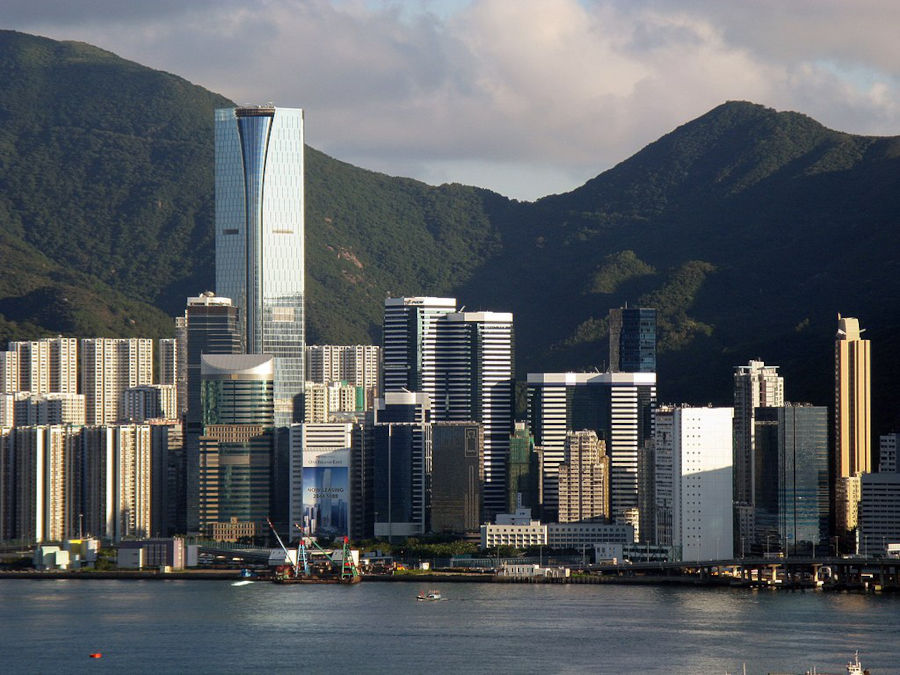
632	340
792	505
259	238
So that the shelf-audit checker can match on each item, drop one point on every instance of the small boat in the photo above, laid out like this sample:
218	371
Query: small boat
430	595
244	582
854	667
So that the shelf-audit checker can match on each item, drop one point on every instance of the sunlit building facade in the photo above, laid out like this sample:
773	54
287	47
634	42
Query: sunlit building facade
259	238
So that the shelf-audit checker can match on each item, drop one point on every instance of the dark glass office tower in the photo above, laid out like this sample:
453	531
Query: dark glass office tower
791	501
212	328
632	340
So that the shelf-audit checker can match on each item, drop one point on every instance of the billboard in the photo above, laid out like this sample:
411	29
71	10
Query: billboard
326	492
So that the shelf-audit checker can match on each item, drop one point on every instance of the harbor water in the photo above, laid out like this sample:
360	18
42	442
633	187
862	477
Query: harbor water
148	626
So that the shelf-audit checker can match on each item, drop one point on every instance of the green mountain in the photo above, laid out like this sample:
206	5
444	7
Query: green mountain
748	229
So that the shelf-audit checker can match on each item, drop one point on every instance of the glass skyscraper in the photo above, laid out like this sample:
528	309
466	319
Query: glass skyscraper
259	238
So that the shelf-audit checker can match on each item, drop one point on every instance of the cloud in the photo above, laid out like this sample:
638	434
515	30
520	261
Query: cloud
496	90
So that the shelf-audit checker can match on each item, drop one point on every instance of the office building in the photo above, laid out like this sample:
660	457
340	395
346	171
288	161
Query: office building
359	365
410	342
320	489
616	406
236	445
401	463
463	362
694	481
632	340
755	385
523	471
210	327
584	479
792	499
108	367
457	476
887	452
879	513
259	181
473	381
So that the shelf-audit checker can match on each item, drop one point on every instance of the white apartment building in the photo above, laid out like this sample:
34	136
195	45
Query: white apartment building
109	366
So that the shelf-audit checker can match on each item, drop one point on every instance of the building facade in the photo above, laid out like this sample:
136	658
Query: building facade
792	506
694	481
632	340
260	239
755	385
584	479
237	443
457	476
618	407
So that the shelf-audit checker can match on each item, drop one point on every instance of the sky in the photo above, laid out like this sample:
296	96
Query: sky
525	97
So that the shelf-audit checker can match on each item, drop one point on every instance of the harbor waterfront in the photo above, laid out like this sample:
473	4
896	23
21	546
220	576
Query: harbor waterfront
188	626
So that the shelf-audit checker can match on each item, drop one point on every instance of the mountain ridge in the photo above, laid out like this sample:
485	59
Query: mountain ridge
748	228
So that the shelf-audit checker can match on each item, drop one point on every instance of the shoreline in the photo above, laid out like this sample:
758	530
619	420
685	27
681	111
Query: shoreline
435	578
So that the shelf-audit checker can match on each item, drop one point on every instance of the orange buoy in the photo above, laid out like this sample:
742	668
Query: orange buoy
97	655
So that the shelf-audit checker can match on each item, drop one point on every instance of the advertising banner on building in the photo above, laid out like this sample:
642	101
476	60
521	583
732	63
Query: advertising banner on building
326	492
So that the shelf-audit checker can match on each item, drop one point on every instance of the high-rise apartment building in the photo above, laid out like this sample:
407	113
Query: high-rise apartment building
617	406
150	401
168	368
260	238
693	481
792	498
108	367
584	479
40	366
632	340
755	385
359	365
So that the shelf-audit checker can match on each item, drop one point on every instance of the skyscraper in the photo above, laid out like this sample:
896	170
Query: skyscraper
693	481
755	385
632	340
852	425
463	361
260	238
410	342
237	445
108	367
617	406
791	501
852	420
210	327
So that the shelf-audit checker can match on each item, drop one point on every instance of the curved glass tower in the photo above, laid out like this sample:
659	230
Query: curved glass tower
259	238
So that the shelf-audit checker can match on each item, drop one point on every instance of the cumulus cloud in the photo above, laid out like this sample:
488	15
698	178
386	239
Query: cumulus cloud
526	97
